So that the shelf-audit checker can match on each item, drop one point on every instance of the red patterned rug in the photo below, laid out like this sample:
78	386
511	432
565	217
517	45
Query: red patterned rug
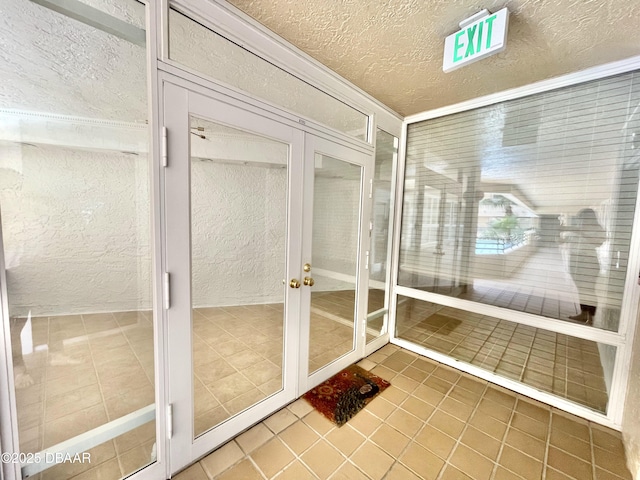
345	394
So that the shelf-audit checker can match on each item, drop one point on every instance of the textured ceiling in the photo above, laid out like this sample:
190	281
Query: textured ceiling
393	49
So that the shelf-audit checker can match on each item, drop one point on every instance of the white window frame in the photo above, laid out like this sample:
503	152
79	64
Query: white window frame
623	339
235	25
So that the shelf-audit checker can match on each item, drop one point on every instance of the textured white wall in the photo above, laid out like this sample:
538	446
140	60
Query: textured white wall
52	63
76	230
239	217
77	234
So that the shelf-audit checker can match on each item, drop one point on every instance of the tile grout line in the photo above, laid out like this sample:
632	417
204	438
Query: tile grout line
409	393
547	446
384	420
396	458
593	452
464	429
503	442
104	400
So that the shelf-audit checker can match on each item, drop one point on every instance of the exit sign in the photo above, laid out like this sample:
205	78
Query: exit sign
482	35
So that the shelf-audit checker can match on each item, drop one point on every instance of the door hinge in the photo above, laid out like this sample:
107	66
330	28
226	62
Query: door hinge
371	188
370	227
170	421
165	148
366	262
167	290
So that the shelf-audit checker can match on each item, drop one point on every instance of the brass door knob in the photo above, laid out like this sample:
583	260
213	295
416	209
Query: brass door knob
308	281
294	283
307	267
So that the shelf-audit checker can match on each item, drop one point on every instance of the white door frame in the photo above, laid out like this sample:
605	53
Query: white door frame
180	100
315	144
179	104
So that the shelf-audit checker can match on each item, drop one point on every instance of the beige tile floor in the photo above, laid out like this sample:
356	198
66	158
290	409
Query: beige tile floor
107	372
565	366
86	370
238	352
114	374
237	360
432	423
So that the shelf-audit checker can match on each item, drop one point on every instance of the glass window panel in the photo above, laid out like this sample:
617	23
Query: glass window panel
386	155
238	234
527	204
75	201
336	223
572	368
57	74
202	50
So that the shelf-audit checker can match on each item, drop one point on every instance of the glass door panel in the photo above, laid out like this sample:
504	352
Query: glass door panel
238	261
336	220
253	307
335	253
381	221
233	195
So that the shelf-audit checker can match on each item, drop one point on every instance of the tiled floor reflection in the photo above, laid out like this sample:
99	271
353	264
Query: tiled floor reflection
432	423
80	372
542	286
238	351
87	370
331	328
565	366
237	359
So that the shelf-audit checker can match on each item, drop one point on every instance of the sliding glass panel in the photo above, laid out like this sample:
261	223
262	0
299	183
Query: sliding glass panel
386	156
572	368
527	204
203	50
75	200
336	226
238	234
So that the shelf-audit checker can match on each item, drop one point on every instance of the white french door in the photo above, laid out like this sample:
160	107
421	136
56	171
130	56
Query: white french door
266	252
335	256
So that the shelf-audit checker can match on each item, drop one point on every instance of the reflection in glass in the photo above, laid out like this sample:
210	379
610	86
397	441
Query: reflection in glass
75	200
527	204
203	50
572	368
386	155
238	228
336	225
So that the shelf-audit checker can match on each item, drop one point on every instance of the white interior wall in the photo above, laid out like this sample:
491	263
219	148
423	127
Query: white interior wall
76	226
76	230
238	233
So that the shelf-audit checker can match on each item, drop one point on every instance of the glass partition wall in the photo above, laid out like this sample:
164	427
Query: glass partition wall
382	193
202	50
75	203
516	222
78	248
